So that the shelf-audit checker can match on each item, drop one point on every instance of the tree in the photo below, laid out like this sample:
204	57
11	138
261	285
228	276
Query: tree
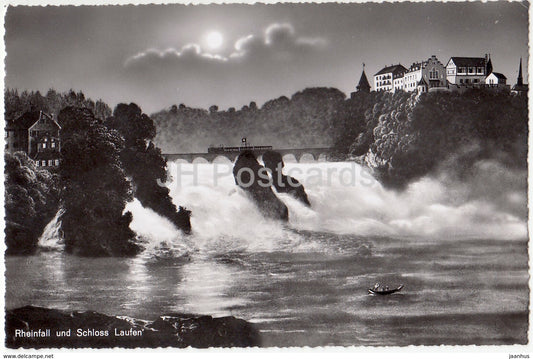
95	188
131	123
144	163
31	201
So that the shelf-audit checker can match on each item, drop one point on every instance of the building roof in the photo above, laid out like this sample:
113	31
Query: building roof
422	82
519	80
395	69
498	75
468	61
489	66
433	58
27	120
363	83
23	122
415	66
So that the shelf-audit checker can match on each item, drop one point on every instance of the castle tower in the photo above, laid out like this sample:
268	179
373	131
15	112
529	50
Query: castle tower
488	69
520	88
363	85
519	80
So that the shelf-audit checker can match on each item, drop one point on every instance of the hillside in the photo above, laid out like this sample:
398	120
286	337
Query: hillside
308	118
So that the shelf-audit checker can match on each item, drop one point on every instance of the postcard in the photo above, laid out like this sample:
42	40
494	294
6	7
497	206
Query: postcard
289	175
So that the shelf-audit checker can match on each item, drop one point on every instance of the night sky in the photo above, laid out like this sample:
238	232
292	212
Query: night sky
229	55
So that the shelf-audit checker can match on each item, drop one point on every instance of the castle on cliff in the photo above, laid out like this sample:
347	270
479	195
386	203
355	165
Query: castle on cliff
459	74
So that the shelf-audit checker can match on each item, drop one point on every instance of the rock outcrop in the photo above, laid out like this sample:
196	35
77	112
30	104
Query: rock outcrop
283	183
254	179
36	327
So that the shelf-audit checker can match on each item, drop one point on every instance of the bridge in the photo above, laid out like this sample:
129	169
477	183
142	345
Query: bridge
298	153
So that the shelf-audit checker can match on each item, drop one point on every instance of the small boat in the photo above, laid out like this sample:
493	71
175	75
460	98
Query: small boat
384	291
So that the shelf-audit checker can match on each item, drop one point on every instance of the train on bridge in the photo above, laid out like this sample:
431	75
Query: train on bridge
229	149
226	149
231	152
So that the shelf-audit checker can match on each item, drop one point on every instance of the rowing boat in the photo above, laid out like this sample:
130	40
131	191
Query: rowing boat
385	291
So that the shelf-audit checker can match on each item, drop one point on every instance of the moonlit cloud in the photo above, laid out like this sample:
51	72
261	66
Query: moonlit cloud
187	52
279	33
275	39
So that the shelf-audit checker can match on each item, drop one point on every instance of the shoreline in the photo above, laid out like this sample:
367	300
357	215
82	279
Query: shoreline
39	327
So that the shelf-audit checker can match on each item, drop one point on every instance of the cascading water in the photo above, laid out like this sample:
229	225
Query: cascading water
52	237
346	200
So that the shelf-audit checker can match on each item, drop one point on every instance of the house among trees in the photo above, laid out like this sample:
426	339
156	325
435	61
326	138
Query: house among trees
37	134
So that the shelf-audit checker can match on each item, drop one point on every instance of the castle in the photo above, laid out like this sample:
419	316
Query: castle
459	74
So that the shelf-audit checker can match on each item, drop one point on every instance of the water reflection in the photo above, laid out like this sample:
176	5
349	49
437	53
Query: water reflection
191	284
207	286
304	298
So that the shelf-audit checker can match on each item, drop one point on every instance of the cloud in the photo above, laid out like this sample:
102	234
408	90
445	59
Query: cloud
258	67
279	42
189	52
279	34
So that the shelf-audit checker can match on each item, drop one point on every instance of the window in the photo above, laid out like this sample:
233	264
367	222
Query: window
50	162
476	81
37	163
43	163
57	162
53	145
461	80
44	145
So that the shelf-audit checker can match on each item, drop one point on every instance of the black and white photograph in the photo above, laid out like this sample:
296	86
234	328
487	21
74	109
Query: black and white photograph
285	175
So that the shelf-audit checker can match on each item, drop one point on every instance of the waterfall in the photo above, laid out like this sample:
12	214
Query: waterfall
345	201
52	237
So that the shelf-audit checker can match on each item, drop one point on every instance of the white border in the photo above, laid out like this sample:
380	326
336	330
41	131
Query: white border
414	352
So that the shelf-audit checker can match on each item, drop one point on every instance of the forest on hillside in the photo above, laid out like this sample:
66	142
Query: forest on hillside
405	136
308	118
401	136
16	104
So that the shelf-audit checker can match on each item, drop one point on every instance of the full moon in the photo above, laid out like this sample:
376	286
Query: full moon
214	40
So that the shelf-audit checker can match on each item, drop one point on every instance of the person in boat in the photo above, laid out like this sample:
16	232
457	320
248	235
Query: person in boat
376	286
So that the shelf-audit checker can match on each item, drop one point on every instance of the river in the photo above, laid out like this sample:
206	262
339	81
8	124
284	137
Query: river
459	249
